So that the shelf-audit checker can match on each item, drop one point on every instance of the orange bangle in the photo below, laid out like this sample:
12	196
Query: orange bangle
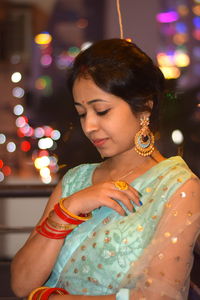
57	225
31	295
71	214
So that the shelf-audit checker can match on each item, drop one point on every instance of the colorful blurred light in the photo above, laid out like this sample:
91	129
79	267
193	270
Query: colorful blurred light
41	162
16	77
196	22
6	170
46	60
181	27
196	34
196	10
183	10
25	146
170	72
55	135
21	121
85	45
43	38
165	60
18	109
180	38
18	92
167	17
2	138
1	176
181	59
1	163
177	136
45	143
11	147
39	132
196	52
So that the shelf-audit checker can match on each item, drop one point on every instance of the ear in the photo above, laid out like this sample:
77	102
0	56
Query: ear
149	107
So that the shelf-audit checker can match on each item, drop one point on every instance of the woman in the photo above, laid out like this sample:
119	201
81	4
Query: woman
145	208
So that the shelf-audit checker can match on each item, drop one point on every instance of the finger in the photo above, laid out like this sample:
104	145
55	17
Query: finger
123	197
114	205
134	196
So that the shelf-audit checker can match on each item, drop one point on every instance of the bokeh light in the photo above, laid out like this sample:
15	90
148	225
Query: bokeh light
2	138
18	109
43	38
18	92
16	77
11	147
177	137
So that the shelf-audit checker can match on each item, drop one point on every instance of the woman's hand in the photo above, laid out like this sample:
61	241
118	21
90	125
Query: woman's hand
102	194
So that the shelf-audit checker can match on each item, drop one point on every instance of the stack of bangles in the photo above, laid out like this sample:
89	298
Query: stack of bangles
53	230
44	292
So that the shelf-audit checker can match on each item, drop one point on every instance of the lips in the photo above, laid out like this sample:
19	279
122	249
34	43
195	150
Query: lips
99	142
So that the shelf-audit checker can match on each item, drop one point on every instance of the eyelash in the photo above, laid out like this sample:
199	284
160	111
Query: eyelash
100	113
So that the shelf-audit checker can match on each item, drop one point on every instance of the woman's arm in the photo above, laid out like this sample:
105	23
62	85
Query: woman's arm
80	297
32	265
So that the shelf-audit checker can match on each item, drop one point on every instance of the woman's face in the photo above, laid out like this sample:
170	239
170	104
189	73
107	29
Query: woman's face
107	120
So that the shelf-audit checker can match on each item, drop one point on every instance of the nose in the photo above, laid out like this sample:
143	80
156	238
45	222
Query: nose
89	124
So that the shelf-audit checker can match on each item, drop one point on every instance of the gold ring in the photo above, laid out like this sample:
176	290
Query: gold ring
121	185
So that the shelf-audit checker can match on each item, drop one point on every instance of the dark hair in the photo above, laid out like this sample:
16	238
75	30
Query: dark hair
121	68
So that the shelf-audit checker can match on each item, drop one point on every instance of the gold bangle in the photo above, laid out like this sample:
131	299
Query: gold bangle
57	225
71	214
35	291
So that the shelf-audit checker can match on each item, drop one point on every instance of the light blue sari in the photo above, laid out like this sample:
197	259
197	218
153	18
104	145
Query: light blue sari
97	256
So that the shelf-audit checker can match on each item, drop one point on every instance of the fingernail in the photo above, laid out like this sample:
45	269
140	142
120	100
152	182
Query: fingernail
140	202
140	194
125	214
134	210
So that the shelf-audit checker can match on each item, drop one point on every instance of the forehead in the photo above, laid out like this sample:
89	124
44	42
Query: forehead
85	90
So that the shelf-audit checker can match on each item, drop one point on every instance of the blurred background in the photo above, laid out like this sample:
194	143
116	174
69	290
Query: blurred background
40	137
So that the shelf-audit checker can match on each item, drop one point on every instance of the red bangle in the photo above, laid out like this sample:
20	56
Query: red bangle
58	291
42	230
64	217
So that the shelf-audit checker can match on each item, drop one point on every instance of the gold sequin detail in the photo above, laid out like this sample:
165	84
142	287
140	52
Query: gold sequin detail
107	232
94	245
72	260
183	194
129	276
106	220
83	247
122	222
151	200
92	280
148	189
94	234
153	217
165	188
83	258
174	240
111	253
175	213
84	290
189	213
118	275
110	286
148	282
167	234
75	270
107	240
168	205
140	228
160	177
179	179
125	241
100	266
160	255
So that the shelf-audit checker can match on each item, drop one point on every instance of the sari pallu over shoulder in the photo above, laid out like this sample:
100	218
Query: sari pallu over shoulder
97	256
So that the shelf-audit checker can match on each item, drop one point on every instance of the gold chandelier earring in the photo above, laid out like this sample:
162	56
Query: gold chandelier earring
144	138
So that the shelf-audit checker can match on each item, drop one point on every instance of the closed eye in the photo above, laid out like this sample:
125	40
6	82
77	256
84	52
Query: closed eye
101	113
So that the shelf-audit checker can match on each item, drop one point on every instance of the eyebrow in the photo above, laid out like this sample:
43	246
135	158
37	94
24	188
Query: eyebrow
90	102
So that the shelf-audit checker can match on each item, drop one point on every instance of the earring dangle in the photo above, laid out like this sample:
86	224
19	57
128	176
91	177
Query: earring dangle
144	139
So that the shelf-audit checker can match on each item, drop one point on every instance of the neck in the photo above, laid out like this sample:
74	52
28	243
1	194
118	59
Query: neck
126	161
